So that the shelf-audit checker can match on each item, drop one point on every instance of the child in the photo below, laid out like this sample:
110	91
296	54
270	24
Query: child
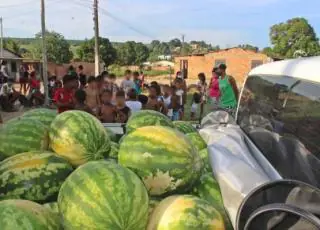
92	92
196	100
179	85
127	83
167	94
35	96
63	97
137	83
79	100
153	101
202	87
107	112
144	100
132	102
123	111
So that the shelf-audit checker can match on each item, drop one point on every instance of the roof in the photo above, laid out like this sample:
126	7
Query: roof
303	68
7	54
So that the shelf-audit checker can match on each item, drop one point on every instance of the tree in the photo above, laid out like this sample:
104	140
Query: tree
126	53
12	46
158	50
295	34
58	48
174	43
108	53
249	47
141	53
268	51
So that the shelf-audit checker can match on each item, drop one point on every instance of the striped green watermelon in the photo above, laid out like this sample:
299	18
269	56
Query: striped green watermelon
197	141
147	118
112	135
185	213
114	150
162	157
46	116
79	137
205	157
22	135
208	189
33	176
27	215
103	195
184	127
53	206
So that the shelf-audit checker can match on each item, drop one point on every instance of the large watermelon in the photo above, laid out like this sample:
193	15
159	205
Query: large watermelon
22	135
27	215
163	157
208	189
46	116
53	206
184	127
185	212
112	135
103	195
204	154
114	150
197	141
79	137
147	118
33	176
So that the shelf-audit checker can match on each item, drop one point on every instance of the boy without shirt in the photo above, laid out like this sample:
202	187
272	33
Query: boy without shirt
107	113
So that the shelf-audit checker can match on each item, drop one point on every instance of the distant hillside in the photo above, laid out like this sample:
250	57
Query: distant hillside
27	41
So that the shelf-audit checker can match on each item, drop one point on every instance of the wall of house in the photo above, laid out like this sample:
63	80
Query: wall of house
237	60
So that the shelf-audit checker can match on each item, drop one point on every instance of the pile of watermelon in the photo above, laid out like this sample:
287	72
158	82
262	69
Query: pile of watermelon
68	172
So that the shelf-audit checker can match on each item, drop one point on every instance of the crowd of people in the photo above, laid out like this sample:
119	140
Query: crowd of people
102	97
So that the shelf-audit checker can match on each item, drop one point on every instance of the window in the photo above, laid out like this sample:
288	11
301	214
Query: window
14	67
282	117
219	62
256	63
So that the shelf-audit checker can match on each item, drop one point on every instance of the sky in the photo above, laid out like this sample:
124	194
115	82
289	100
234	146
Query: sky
220	22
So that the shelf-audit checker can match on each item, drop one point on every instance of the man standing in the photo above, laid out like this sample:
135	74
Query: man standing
127	83
82	77
229	92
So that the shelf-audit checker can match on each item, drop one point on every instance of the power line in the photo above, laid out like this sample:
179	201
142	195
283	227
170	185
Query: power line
17	5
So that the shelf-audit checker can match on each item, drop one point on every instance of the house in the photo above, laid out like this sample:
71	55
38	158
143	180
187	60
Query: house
239	62
14	61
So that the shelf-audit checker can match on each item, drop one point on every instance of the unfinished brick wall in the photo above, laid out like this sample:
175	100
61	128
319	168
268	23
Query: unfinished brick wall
238	61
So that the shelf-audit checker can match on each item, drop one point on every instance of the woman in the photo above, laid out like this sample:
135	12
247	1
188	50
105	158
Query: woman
202	87
24	78
214	91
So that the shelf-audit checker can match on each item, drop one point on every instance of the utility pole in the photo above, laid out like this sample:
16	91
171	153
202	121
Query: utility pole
96	37
1	37
44	54
182	43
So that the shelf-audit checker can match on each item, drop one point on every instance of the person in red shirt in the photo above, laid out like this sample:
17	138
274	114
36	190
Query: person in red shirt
63	97
35	96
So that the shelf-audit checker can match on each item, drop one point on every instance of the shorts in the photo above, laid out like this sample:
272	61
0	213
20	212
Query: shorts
194	108
176	116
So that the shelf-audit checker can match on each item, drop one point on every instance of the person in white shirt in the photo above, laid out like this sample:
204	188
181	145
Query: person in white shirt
127	83
132	101
4	70
8	96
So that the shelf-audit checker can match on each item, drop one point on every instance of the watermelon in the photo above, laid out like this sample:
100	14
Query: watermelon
112	135
197	141
185	212
27	215
147	118
163	157
208	189
153	203
184	127
114	150
205	157
53	206
103	195
46	116
33	176
79	137
22	135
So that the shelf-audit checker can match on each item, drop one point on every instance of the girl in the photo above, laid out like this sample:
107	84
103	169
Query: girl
202	87
214	91
167	94
92	92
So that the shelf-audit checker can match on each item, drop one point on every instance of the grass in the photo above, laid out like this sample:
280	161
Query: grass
187	109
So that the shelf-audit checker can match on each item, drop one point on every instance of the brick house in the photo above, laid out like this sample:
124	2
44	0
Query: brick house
238	61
